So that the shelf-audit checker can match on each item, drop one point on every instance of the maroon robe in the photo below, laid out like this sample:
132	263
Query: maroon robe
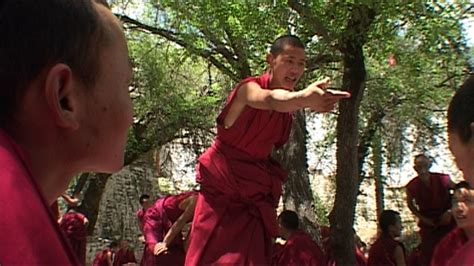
241	184
432	202
101	257
74	227
448	247
124	256
382	252
299	249
158	220
145	254
29	233
464	256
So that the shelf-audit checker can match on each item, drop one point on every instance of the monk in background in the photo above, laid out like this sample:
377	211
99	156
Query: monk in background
429	200
145	203
240	183
162	227
300	248
65	108
106	256
125	255
386	250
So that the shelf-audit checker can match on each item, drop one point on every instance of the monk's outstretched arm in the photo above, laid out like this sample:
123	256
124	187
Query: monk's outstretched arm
177	226
315	97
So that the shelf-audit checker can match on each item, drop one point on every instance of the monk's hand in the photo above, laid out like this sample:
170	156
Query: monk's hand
160	247
321	99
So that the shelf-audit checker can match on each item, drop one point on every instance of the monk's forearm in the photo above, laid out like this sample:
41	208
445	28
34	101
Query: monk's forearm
174	230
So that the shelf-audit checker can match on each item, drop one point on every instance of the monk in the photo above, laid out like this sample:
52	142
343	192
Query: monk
461	144
74	226
428	199
360	257
65	108
386	250
299	248
463	212
124	255
163	225
240	182
106	256
145	203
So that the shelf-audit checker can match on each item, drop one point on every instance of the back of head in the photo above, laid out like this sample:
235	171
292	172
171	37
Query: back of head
279	44
461	111
38	34
289	220
387	218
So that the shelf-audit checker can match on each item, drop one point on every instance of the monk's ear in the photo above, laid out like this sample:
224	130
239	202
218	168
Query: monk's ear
270	59
61	96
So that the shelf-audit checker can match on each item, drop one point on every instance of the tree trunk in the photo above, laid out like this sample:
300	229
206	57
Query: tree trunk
377	159
347	174
297	194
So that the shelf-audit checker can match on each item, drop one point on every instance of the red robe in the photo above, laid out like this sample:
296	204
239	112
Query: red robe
124	256
299	249
101	258
464	256
448	247
432	202
29	233
74	227
240	187
382	252
157	221
145	254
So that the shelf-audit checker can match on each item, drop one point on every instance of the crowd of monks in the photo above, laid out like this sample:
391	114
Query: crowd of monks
65	109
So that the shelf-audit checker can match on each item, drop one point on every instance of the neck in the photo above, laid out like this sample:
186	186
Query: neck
469	232
49	162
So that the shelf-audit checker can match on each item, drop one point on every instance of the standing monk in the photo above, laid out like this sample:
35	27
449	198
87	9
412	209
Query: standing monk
428	199
240	183
162	226
65	108
145	203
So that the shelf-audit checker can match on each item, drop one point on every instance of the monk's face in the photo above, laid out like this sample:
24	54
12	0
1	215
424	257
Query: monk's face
463	208
396	229
463	155
287	67
422	164
146	204
108	107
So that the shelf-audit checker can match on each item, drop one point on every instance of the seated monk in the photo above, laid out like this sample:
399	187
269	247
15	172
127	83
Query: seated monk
299	249
162	226
463	212
106	256
386	250
124	255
